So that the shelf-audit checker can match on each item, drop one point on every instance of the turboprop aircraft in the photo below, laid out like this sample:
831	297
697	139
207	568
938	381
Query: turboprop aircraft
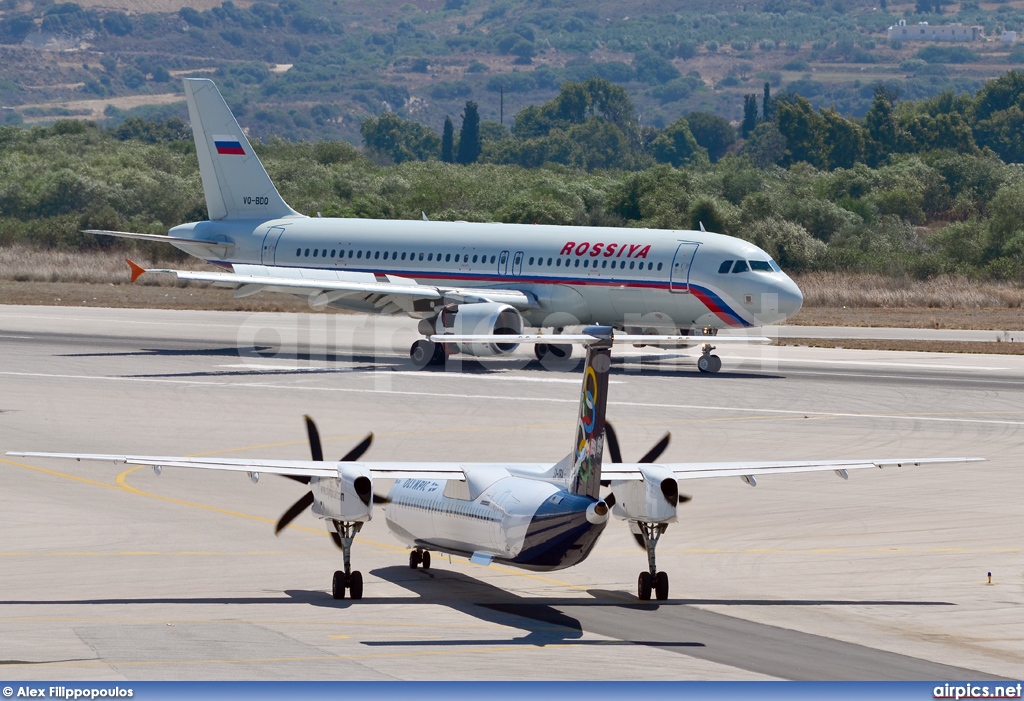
537	516
470	278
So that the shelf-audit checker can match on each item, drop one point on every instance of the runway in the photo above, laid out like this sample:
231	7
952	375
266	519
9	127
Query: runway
113	573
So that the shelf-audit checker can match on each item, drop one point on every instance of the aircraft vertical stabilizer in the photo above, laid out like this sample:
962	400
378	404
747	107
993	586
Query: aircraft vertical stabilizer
585	474
234	181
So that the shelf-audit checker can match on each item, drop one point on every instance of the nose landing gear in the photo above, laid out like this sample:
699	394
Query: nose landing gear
708	362
352	581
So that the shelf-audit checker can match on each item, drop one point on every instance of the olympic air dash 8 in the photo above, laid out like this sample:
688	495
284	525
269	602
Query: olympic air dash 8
536	516
461	277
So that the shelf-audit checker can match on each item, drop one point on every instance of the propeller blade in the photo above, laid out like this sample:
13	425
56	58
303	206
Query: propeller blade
357	452
639	541
610	500
659	448
683	498
297	508
337	540
613	442
378	499
314	440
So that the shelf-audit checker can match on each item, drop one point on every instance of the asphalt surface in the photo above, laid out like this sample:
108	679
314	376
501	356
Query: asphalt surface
113	573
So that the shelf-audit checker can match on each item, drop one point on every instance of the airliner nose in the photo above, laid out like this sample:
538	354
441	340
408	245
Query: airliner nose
790	298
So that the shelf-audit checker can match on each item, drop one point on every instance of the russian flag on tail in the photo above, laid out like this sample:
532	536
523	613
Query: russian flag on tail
228	145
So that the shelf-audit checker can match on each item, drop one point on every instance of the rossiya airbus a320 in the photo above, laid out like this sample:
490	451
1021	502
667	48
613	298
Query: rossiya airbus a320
467	277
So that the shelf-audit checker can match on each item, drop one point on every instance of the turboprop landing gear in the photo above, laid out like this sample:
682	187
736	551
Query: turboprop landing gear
347	579
424	353
419	557
652	579
707	362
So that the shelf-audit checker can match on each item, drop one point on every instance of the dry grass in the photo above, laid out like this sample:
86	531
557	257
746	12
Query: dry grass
877	291
24	264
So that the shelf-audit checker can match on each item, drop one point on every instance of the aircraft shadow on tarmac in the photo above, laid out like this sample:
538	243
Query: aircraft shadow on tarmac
363	363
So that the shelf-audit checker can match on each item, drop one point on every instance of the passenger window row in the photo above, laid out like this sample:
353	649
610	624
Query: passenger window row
587	263
394	255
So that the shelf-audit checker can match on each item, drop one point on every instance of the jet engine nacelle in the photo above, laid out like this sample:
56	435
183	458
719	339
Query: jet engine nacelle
653	499
347	497
486	318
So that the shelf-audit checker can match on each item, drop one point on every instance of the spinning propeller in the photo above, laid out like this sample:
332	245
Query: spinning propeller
670	488
362	485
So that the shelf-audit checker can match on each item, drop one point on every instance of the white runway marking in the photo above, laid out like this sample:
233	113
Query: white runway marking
411	373
6	336
450	395
869	363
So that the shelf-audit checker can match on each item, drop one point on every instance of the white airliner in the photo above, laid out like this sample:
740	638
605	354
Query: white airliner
537	516
472	278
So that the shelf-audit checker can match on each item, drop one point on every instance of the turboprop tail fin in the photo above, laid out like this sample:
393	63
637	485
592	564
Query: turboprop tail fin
585	473
234	181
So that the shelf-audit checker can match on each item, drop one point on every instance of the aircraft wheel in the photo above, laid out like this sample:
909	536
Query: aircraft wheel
338	588
703	363
716	363
425	559
355	585
555	356
643	586
414	559
422	353
661	586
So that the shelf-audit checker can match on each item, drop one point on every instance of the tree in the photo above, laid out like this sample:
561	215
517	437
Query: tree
749	115
844	140
804	130
712	132
767	104
677	146
766	146
393	138
448	141
469	135
880	121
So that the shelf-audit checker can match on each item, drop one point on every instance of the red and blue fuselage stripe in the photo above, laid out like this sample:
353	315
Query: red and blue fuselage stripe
714	303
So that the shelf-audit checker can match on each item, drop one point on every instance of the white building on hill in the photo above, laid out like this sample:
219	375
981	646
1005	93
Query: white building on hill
922	31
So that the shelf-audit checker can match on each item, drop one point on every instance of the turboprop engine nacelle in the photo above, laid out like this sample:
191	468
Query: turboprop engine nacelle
653	499
348	497
481	318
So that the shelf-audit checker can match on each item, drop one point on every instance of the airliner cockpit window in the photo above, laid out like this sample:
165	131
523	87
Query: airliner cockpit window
740	266
725	266
775	266
761	265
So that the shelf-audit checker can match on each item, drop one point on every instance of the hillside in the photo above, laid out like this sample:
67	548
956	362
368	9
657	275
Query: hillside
316	68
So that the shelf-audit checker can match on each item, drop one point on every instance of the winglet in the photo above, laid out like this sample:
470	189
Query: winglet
136	269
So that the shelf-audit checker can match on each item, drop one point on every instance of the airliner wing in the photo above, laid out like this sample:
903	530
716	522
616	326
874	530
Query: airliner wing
295	468
751	468
331	285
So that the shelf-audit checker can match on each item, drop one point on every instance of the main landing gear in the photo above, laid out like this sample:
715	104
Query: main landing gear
419	557
347	579
424	353
652	579
707	362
